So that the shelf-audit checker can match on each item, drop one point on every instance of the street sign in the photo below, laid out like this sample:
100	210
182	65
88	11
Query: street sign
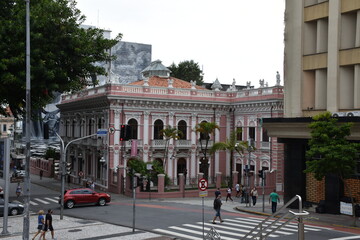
112	130
101	132
81	174
203	184
203	193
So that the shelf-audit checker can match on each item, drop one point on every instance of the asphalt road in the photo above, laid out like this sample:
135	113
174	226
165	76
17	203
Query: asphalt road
179	219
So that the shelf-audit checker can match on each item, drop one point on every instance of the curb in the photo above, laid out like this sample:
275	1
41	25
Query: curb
252	212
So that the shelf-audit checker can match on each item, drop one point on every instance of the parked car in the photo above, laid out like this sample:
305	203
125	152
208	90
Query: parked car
15	208
20	173
84	196
1	192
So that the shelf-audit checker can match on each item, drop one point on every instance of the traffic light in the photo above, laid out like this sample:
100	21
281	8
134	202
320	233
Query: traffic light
122	132
56	167
125	132
68	168
261	173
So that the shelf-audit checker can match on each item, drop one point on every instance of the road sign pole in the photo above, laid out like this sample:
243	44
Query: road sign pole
203	218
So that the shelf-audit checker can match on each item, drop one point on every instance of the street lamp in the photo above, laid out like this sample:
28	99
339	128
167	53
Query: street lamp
250	149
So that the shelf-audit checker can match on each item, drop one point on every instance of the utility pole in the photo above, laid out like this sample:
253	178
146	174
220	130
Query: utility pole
26	222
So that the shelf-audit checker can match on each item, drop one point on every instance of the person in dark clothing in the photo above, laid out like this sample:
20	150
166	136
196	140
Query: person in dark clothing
48	225
217	192
41	174
217	207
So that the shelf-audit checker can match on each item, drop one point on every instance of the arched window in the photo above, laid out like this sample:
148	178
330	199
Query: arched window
133	124
183	128
158	126
181	166
73	128
90	126
204	136
67	127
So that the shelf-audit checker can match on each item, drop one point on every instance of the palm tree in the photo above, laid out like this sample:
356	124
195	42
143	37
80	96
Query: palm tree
169	133
205	129
232	145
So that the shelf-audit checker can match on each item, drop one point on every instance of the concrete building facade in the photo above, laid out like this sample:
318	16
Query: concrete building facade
321	73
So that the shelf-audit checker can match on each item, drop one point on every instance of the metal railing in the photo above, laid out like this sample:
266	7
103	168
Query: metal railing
273	223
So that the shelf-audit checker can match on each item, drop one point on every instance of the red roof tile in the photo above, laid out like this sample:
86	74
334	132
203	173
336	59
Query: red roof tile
156	81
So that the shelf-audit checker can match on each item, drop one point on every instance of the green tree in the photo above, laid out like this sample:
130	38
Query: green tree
231	144
169	133
329	150
205	129
62	53
188	71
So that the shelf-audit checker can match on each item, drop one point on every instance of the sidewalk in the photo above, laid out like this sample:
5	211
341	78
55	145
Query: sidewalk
332	220
74	228
82	228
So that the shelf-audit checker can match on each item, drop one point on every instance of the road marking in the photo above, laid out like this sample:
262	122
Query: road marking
171	233
42	201
52	200
206	230
33	203
219	231
345	238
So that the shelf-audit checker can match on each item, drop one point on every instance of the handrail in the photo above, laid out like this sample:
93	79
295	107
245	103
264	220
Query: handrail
269	227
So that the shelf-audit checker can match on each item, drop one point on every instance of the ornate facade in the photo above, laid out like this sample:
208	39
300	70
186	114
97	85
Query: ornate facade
150	105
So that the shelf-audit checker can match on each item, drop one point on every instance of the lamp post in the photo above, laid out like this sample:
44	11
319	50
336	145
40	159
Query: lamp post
250	149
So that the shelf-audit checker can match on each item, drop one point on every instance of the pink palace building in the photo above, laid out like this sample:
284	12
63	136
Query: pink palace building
151	104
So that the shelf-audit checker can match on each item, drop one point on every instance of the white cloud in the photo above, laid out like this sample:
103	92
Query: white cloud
230	39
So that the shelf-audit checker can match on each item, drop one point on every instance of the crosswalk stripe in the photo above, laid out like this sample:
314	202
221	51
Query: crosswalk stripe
42	201
219	231
171	233
243	230
52	200
295	225
278	231
200	232
33	203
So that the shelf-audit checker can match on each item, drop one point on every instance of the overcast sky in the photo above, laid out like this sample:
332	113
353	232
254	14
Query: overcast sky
229	39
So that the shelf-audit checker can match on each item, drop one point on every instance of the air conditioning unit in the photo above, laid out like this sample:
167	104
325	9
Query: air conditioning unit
338	114
353	114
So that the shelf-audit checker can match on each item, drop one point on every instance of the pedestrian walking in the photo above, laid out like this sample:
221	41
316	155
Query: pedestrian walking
41	223
217	192
41	174
18	190
48	225
92	185
237	188
254	195
217	208
228	195
274	198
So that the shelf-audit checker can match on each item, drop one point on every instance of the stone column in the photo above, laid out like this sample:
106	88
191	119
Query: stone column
182	184
218	179
161	183
235	177
146	135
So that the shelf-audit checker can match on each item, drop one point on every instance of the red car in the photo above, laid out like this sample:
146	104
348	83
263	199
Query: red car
84	196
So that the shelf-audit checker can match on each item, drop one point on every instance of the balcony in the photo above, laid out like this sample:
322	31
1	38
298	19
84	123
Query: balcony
264	145
129	143
182	143
158	143
203	142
